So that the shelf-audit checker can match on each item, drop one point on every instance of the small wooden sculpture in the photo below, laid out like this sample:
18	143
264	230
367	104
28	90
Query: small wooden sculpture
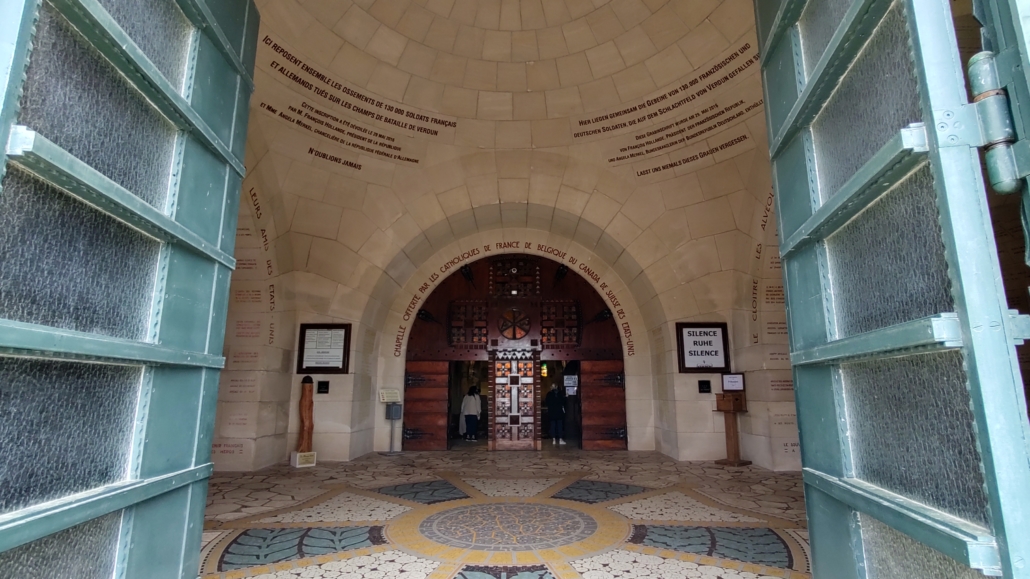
307	410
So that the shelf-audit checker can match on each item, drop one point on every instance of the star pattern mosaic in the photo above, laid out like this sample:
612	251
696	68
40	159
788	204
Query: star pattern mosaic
588	491
589	515
427	493
675	506
519	487
342	507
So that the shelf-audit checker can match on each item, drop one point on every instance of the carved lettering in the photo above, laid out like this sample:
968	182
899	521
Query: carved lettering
254	201
411	309
398	341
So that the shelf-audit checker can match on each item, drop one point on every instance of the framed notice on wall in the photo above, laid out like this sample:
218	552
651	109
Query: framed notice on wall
732	382
324	349
703	347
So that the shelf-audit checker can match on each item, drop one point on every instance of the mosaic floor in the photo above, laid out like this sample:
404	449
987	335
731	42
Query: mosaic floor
468	514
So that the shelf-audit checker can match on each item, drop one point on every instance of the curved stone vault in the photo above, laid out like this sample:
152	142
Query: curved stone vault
389	137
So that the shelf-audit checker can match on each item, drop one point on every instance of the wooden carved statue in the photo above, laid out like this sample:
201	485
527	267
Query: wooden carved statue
307	411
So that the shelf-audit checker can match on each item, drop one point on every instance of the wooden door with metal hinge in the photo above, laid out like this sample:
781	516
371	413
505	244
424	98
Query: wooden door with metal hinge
602	387
426	398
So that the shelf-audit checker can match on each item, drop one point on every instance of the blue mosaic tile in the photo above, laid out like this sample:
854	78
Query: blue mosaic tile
484	572
750	545
266	546
427	493
590	491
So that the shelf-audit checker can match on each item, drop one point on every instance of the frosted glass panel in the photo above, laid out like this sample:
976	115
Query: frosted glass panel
75	98
161	31
818	22
86	551
887	266
902	411
66	427
65	264
878	97
893	555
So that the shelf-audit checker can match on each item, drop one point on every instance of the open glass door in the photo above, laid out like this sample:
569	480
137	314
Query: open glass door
124	125
910	401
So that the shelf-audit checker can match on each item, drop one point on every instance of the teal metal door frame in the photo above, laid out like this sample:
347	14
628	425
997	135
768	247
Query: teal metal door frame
156	506
860	520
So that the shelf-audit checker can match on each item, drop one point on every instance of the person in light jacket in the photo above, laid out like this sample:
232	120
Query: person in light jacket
471	407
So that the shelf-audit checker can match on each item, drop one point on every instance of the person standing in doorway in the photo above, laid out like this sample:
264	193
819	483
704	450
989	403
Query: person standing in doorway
471	407
555	402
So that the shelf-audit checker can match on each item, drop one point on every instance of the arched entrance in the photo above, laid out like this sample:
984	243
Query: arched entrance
515	325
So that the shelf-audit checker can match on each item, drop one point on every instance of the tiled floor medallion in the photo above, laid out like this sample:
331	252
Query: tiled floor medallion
478	515
590	491
507	531
760	546
427	493
254	547
508	527
486	572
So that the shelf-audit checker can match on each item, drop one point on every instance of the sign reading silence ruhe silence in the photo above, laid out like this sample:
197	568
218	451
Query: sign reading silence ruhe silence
703	347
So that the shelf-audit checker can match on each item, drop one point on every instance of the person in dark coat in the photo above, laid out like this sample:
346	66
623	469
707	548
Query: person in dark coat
555	402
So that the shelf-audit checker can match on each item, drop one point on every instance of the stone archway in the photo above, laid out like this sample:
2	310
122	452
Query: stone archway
515	314
634	334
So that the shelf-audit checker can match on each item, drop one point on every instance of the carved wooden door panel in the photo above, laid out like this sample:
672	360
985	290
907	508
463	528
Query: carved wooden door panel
603	398
515	394
426	395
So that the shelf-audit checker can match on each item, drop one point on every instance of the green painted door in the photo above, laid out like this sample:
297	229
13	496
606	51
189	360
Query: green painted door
124	123
914	432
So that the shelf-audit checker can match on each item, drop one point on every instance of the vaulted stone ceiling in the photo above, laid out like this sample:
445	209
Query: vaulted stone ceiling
389	137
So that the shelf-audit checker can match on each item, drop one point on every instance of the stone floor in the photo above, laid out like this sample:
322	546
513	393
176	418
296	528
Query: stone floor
468	514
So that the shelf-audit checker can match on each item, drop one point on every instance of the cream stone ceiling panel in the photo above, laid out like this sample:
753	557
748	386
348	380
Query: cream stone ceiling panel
410	54
385	131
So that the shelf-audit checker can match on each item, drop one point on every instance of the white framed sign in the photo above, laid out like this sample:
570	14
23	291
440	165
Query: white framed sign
389	395
703	347
324	349
732	382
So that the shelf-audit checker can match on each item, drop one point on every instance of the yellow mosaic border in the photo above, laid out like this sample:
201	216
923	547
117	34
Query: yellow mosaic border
612	531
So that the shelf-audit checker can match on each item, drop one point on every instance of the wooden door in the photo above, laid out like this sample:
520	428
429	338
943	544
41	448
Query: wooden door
515	394
602	386
426	397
